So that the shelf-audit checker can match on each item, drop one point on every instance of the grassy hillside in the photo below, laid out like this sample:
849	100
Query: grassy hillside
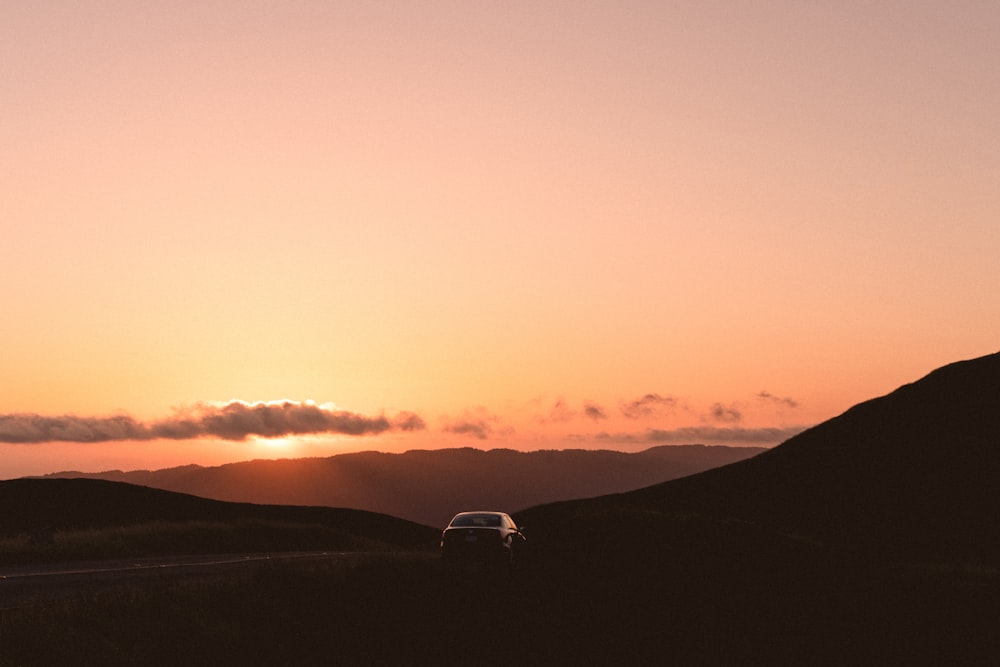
54	519
910	475
675	590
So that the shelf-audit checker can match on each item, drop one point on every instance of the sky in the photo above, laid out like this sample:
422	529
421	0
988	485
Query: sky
237	230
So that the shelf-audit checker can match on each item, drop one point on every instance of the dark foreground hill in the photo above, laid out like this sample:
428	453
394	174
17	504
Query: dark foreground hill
910	476
429	487
870	539
51	514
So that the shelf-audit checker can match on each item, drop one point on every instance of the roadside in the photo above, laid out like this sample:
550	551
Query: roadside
26	585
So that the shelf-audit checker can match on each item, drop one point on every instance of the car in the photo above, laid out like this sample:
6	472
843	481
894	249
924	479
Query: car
482	536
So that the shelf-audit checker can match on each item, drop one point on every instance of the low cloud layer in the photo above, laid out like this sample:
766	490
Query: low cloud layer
694	435
32	428
236	420
239	420
733	435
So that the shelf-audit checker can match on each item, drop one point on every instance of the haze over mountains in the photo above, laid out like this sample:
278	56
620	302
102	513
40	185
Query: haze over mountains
430	486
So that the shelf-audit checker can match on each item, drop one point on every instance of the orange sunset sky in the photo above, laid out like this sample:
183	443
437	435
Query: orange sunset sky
235	230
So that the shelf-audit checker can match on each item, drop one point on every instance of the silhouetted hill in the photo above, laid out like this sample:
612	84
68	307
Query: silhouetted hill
911	475
79	504
869	539
429	486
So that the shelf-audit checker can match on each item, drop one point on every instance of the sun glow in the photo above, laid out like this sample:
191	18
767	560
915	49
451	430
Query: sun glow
276	443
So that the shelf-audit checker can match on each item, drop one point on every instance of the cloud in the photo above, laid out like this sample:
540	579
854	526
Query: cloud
726	435
616	437
477	422
479	428
236	420
727	414
594	411
650	405
408	421
771	398
559	413
692	435
32	428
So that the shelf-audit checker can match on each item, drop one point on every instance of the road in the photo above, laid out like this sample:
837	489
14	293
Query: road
32	584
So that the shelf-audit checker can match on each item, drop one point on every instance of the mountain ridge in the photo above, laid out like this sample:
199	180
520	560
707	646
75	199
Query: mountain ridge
430	486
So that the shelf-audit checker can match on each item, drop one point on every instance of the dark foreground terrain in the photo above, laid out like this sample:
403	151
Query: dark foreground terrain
870	539
54	520
680	590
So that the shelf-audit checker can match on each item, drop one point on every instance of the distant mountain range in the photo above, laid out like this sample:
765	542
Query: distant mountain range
430	486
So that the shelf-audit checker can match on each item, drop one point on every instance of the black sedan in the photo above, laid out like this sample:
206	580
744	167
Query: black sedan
482	536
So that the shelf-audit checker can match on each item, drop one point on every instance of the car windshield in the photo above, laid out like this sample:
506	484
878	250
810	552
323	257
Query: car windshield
484	520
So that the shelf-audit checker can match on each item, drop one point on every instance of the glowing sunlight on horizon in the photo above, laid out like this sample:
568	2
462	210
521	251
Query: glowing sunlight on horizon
527	225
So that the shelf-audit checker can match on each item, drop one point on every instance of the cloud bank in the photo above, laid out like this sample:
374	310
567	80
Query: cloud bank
709	434
240	420
729	435
236	420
